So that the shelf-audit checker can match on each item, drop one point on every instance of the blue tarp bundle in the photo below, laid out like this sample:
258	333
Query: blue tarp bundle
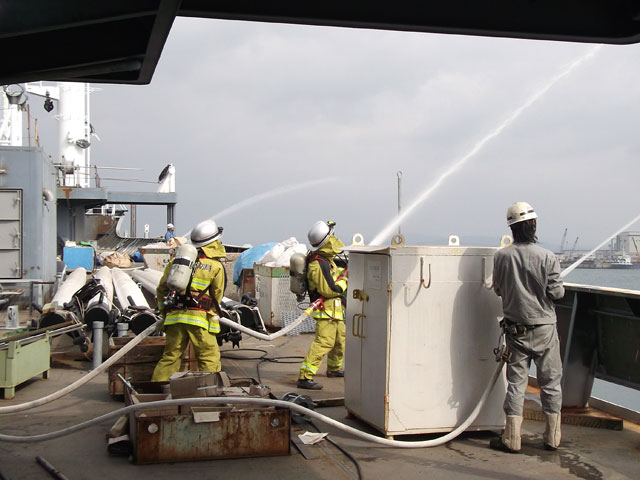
248	258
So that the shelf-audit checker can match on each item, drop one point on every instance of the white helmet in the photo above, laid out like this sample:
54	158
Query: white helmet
320	233
205	233
519	212
170	225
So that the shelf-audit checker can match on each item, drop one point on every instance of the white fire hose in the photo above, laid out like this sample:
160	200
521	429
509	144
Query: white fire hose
279	333
230	400
129	346
82	380
275	403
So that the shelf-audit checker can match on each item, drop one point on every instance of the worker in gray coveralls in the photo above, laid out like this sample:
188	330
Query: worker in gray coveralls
527	278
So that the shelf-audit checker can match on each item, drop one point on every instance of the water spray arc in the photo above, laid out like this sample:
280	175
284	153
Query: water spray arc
388	230
265	196
575	264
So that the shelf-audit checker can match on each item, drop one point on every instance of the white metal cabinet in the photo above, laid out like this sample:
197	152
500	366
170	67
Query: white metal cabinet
367	339
420	349
278	306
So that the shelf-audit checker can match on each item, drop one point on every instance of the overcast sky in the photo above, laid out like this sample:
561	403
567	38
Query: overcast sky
244	108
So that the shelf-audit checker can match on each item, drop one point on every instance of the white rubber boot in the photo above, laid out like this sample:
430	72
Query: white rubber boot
511	434
552	435
510	440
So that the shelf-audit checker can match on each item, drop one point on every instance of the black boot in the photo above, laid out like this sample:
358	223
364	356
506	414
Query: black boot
335	373
497	444
308	384
510	439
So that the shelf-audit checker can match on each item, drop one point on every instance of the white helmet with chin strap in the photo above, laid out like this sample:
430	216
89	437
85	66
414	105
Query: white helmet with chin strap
320	233
519	212
205	233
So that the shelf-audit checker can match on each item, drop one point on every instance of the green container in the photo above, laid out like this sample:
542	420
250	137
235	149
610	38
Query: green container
271	272
19	363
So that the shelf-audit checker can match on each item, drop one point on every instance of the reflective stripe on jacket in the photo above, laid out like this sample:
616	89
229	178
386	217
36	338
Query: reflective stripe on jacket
208	278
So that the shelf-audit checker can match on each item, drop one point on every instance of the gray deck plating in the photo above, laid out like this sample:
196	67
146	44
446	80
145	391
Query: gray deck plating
586	453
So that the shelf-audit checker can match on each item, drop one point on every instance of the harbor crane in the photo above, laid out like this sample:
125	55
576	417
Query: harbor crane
573	248
564	238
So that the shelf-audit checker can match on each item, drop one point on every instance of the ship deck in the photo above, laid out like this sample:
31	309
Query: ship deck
586	453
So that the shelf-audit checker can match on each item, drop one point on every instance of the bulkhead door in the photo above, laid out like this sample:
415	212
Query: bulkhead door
10	233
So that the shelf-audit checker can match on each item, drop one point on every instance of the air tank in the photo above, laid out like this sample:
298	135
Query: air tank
180	272
298	275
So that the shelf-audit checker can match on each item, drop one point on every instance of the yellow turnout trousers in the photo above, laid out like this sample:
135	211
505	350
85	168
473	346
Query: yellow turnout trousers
329	340
177	338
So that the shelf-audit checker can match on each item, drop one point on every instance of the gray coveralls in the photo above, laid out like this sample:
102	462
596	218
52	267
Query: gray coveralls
527	278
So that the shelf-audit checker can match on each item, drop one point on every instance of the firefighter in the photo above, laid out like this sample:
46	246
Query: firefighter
193	316
527	278
329	281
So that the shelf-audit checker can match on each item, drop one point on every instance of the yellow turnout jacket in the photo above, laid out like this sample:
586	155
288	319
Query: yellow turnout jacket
322	277
208	277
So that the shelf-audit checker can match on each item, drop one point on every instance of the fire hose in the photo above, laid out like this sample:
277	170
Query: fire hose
235	400
86	378
135	341
279	333
269	402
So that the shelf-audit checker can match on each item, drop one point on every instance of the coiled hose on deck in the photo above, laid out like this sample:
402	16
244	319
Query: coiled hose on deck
82	380
127	348
276	403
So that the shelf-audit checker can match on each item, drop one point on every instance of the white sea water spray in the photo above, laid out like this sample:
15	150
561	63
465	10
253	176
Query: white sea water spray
282	190
392	226
575	264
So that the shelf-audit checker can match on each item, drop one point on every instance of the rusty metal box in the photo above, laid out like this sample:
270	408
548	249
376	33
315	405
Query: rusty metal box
207	432
248	282
156	258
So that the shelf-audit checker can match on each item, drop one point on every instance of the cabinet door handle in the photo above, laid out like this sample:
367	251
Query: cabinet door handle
356	325
422	282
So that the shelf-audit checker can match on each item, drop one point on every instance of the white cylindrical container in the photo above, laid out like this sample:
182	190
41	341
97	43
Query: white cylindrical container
103	276
148	278
74	282
99	307
127	291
